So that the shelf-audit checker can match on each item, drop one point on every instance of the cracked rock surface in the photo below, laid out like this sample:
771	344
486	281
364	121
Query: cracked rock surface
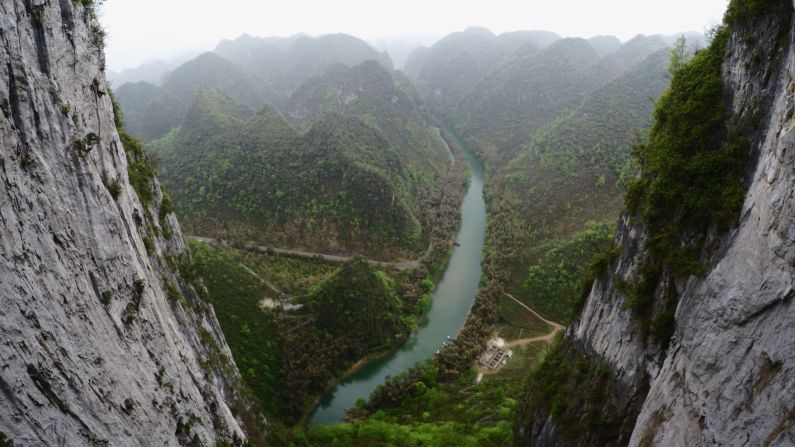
101	341
728	375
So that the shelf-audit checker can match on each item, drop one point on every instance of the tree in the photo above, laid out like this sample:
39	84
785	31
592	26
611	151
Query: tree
679	55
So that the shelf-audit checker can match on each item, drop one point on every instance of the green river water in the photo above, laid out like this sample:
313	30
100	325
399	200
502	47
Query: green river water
451	303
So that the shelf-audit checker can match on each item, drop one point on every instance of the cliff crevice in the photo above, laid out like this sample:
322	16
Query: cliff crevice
102	341
696	353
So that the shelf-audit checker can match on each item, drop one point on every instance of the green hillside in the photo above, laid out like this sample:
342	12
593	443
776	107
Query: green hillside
449	69
580	155
523	95
150	112
354	312
573	170
385	100
354	181
285	63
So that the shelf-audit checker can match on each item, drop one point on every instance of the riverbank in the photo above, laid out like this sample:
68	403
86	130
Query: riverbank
450	306
356	367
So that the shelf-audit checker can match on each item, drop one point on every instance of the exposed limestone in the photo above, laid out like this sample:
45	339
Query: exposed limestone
92	350
727	376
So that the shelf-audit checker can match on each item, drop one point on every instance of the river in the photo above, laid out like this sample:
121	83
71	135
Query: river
451	302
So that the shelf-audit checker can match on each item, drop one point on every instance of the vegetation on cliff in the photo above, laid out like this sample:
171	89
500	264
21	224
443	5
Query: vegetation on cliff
693	165
554	284
690	191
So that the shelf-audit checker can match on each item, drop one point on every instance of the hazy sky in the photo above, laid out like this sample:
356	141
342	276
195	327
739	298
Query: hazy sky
141	30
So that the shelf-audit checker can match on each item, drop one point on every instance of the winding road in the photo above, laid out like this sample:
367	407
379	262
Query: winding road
261	279
557	327
403	265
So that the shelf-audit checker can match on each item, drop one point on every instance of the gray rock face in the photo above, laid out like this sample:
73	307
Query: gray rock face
727	377
96	345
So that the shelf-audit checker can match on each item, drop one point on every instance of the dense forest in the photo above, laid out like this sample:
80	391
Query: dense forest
473	240
554	121
338	155
354	170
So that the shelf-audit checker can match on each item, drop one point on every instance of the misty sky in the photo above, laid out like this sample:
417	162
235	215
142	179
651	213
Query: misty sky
141	30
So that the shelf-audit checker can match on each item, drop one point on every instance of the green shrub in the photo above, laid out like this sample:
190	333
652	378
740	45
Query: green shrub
138	287
166	208
140	169
91	139
5	441
149	245
174	294
113	186
129	314
106	297
80	146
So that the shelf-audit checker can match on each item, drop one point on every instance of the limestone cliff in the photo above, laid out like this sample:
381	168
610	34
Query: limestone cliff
102	342
726	375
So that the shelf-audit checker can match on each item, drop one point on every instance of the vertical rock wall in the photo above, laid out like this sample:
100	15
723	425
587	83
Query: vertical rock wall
101	341
727	376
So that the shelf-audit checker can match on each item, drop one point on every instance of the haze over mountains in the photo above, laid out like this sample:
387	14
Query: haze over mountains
480	240
495	91
552	117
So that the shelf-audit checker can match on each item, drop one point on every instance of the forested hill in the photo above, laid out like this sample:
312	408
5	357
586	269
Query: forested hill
523	94
252	71
151	112
449	69
353	178
553	123
284	63
385	100
573	170
529	90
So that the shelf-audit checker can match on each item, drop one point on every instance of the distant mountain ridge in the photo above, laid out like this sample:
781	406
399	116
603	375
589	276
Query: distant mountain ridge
151	111
351	176
447	70
284	63
251	70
